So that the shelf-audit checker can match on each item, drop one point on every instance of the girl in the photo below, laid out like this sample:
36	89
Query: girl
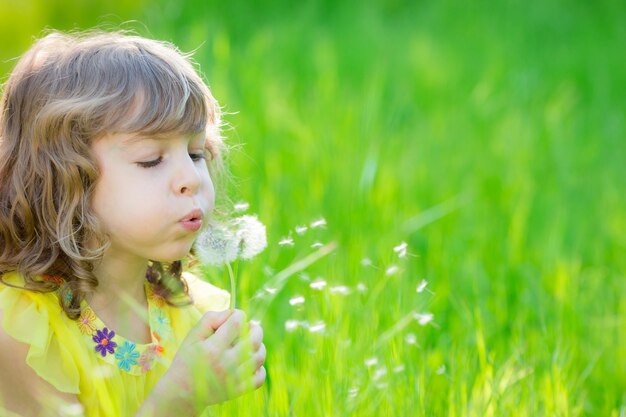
108	143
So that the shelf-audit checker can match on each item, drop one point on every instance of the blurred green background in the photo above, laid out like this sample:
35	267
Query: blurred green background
488	136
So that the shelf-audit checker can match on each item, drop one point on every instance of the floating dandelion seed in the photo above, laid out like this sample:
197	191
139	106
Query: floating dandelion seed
291	325
352	392
379	373
241	206
441	370
318	223
382	385
296	301
421	286
318	284
398	369
392	270
423	318
271	290
361	287
317	245
340	289
301	229
401	249
366	262
369	362
304	277
317	327
410	339
286	241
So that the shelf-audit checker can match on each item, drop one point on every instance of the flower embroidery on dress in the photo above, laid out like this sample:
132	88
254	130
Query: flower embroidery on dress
86	321
126	356
161	324
136	359
104	341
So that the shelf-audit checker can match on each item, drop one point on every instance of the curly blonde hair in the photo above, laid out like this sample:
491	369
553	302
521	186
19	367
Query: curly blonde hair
65	92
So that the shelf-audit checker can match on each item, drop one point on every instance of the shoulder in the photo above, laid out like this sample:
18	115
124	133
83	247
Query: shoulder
206	296
21	389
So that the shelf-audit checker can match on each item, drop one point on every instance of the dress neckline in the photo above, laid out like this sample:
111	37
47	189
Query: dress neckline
131	357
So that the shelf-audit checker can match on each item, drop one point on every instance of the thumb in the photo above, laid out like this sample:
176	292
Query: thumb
208	324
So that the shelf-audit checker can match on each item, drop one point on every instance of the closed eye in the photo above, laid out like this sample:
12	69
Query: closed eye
197	156
150	164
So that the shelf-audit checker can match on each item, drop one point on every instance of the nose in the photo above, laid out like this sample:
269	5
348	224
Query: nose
188	179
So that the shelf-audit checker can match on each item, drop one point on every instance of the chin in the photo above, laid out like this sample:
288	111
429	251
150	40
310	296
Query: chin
172	256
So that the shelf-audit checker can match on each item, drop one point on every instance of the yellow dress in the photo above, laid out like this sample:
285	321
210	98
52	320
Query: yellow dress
110	375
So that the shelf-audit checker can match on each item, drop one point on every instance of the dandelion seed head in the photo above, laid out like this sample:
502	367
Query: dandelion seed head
318	284
252	235
421	286
217	245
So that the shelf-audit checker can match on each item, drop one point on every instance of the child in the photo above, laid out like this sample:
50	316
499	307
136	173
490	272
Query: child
108	143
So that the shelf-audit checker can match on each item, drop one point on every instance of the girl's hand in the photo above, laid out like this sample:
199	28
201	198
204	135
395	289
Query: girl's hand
221	358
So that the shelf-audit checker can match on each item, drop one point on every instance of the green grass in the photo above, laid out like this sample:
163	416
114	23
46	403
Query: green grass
489	136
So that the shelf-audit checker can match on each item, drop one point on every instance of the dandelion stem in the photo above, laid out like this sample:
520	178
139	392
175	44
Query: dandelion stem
233	289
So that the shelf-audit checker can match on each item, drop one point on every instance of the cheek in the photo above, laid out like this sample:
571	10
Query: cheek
210	195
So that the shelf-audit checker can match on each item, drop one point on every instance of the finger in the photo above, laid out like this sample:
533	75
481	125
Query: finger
251	383
252	364
208	324
228	332
256	335
259	377
250	342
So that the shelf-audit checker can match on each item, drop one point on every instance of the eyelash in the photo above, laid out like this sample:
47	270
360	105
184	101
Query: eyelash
149	164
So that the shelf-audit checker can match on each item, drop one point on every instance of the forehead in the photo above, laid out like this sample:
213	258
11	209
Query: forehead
128	140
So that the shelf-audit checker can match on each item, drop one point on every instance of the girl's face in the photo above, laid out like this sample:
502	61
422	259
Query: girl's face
146	188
